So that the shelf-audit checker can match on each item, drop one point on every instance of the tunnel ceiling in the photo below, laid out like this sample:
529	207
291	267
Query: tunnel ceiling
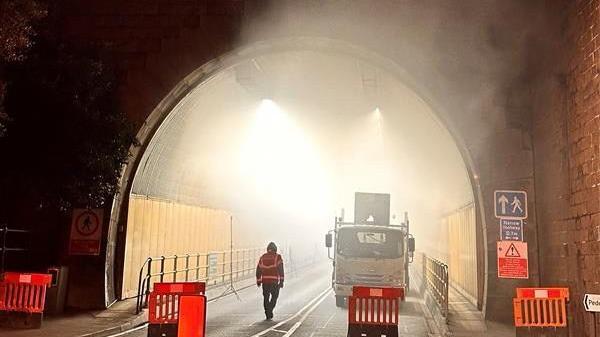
337	142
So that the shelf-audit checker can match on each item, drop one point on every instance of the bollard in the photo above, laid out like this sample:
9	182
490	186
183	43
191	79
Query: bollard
192	316
163	306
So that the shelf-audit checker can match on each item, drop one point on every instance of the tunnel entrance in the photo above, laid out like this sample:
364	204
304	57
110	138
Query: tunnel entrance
279	136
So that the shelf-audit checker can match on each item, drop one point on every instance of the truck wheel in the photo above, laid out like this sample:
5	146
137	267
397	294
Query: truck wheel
340	301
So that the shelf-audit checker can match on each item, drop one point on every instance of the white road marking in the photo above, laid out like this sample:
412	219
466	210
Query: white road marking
297	325
130	331
328	321
320	297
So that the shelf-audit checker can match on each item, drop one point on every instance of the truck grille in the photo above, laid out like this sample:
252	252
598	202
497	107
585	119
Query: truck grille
368	279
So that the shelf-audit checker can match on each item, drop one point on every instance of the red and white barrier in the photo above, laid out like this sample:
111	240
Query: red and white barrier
374	311
22	299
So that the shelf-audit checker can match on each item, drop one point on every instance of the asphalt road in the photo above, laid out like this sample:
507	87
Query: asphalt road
306	308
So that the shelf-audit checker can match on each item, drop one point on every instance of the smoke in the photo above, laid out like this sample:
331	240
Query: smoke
472	60
284	140
285	166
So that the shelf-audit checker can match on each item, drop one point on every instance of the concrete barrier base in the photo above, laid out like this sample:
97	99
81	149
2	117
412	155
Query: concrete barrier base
358	330
162	330
20	320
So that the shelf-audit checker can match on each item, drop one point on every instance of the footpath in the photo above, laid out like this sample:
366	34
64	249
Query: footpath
118	318
464	319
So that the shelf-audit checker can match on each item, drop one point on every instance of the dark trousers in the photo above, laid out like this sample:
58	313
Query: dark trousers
270	294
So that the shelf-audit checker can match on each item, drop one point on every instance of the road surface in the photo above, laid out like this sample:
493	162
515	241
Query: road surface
306	308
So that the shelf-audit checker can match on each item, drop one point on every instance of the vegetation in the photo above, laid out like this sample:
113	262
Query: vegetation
66	140
16	31
63	137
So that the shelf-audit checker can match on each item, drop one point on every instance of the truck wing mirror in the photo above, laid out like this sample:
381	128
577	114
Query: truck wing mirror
411	245
328	240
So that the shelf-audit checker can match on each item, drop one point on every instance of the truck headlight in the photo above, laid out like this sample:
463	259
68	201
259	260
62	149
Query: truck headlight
398	275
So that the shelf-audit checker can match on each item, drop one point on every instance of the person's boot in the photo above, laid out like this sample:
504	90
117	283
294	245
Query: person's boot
269	315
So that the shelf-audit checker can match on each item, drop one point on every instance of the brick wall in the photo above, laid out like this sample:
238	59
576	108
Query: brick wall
153	43
567	166
583	140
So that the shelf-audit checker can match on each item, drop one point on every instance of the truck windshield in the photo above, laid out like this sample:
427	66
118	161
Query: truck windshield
370	243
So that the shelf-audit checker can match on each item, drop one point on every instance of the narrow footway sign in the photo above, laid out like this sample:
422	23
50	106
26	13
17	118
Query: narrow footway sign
591	302
510	204
511	230
513	261
86	232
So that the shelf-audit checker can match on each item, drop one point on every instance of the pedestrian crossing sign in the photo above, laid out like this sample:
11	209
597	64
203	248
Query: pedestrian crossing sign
510	204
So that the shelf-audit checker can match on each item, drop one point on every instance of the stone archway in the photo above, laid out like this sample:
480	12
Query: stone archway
117	230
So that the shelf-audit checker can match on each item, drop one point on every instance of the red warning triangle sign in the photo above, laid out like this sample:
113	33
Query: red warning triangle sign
512	251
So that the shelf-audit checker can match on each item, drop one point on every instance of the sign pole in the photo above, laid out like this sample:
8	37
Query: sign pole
231	288
231	249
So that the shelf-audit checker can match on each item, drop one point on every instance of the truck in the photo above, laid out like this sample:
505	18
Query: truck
371	251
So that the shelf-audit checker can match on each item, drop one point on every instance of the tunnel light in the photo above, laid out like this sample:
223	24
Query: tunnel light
270	120
279	159
377	116
267	106
379	126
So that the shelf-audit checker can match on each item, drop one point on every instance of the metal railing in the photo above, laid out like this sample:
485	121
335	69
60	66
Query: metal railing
214	268
436	282
3	241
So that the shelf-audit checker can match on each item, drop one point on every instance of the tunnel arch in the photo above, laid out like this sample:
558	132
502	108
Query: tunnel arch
118	221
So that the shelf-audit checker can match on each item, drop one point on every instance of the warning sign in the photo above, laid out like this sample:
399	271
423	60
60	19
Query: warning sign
513	261
512	251
86	232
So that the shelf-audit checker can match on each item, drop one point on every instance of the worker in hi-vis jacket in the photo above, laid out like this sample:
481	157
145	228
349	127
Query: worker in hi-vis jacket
269	274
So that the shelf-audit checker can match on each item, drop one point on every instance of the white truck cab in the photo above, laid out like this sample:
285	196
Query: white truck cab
369	255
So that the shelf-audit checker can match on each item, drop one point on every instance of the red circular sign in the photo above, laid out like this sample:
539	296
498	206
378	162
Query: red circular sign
87	223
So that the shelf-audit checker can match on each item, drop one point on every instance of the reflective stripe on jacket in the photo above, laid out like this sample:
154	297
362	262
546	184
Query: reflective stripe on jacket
270	268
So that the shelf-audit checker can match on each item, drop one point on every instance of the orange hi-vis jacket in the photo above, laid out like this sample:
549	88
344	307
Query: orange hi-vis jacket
270	268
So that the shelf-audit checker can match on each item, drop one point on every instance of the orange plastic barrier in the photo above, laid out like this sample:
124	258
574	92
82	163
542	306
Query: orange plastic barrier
374	312
163	306
541	307
192	316
23	292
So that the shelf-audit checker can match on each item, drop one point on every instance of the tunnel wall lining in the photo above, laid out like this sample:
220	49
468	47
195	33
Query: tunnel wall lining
462	252
158	227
